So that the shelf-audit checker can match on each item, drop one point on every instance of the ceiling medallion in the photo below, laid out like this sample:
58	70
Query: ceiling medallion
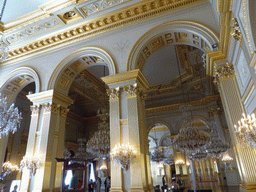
69	14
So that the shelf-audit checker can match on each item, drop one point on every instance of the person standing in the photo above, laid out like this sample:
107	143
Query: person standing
98	184
90	186
15	188
4	189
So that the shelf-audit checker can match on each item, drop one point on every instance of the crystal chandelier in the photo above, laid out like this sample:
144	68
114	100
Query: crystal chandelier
30	163
157	155
122	155
246	130
8	170
217	147
200	155
191	139
168	161
99	144
66	153
10	117
81	151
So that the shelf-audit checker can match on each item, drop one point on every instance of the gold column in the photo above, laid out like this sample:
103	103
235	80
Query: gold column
230	95
46	140
132	108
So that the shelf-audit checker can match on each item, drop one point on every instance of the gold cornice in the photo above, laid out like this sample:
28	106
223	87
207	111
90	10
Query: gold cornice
201	102
46	10
98	25
134	76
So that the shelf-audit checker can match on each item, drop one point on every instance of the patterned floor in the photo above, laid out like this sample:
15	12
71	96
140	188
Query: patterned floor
216	188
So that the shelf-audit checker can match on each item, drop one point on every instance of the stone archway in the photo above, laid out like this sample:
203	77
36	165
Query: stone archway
172	33
152	125
16	80
70	67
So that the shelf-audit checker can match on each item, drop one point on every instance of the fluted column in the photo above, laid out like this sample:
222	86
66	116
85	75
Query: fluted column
46	140
115	136
127	125
245	156
30	144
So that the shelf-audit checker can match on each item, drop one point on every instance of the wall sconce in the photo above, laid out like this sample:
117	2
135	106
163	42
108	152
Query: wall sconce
179	162
8	170
227	160
122	155
103	167
31	163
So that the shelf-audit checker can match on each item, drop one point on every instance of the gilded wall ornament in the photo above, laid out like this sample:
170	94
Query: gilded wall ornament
64	111
132	90
50	107
113	94
223	72
214	112
35	109
33	30
235	31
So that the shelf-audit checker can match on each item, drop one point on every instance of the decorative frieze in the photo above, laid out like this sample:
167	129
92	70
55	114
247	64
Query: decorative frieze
235	31
113	94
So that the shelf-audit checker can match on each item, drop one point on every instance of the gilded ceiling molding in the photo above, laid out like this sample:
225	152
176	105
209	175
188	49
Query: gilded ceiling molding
12	83
113	20
175	32
202	102
247	25
45	11
68	69
34	30
99	6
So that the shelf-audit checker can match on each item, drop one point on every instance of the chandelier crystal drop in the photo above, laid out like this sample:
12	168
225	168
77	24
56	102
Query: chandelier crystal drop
32	163
217	147
10	117
246	130
122	155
